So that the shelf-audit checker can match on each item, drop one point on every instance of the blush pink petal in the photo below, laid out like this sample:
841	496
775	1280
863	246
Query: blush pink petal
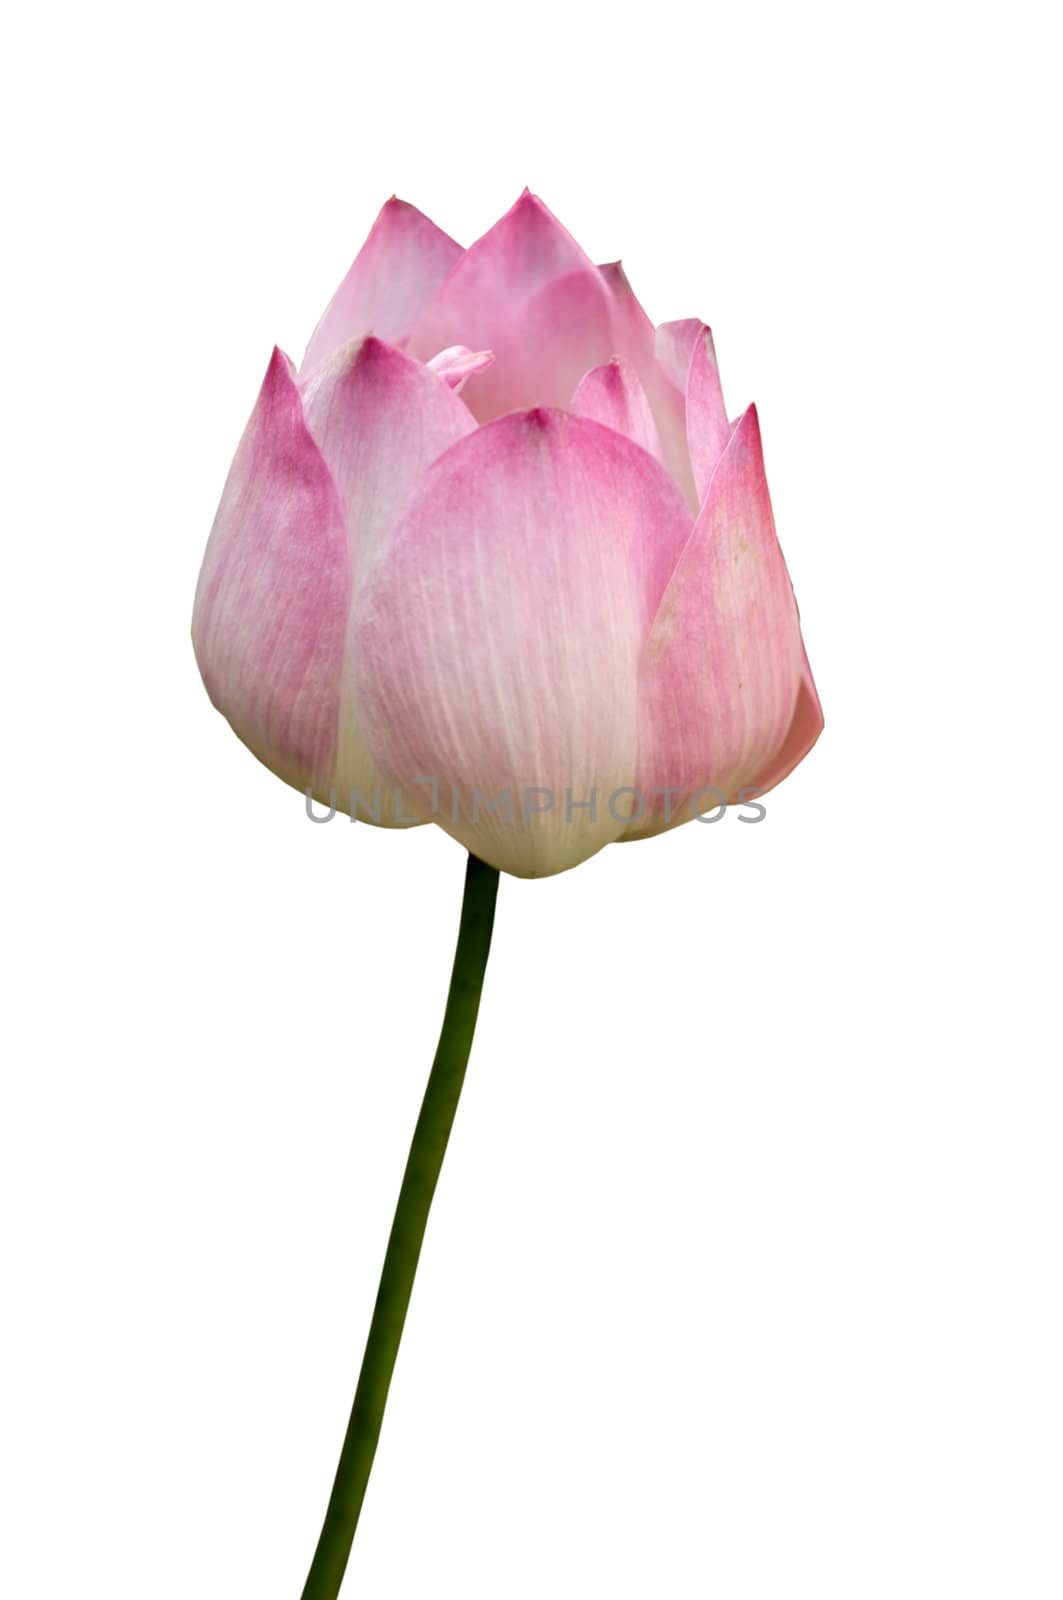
724	661
458	364
527	292
271	604
379	418
547	346
613	396
393	279
674	345
634	330
708	429
635	340
806	725
499	644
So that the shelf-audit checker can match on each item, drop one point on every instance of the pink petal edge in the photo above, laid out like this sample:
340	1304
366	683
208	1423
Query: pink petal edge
271	603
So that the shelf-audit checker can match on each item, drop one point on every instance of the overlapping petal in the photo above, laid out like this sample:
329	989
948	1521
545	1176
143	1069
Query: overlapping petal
724	662
806	725
636	341
613	396
458	364
569	624
674	345
527	292
499	643
687	355
708	429
271	605
379	419
393	279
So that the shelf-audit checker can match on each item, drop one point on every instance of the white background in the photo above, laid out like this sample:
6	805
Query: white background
743	1279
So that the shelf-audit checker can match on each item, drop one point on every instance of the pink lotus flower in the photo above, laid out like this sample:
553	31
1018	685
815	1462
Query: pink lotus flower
496	557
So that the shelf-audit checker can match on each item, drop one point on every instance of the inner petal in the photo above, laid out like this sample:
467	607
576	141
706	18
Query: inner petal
457	363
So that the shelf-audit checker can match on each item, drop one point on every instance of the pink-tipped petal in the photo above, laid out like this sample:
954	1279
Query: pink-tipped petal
634	330
674	343
613	395
499	644
379	418
635	340
458	364
708	429
271	604
527	292
724	661
394	278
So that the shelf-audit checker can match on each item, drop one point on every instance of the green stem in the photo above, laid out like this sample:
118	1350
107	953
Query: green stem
407	1231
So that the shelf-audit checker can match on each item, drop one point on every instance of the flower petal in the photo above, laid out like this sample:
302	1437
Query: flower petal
708	429
635	340
674	343
499	644
379	418
613	396
806	725
527	292
271	604
458	364
394	277
724	660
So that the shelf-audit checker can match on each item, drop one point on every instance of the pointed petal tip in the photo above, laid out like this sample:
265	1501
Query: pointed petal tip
529	205
371	348
395	206
615	276
540	418
368	355
280	369
748	424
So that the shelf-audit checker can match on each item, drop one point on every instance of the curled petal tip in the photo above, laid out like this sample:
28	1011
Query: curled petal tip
614	274
456	364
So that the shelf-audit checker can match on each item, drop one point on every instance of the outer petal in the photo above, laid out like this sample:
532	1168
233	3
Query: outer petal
613	396
665	389
394	277
708	429
806	725
379	419
527	292
724	660
271	605
499	644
